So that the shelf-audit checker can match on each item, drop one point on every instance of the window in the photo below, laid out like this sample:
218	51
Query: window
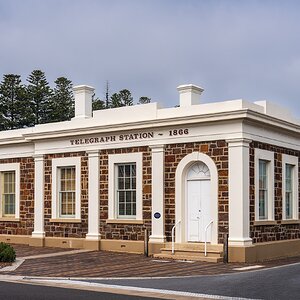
66	188
125	186
10	190
126	190
289	191
67	191
264	185
289	187
263	189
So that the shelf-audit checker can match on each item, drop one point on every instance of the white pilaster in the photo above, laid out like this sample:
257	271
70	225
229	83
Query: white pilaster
158	206
94	201
39	185
239	227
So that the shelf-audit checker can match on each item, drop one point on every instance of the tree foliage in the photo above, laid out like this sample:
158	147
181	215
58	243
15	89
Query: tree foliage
39	95
62	101
123	98
144	100
24	105
12	102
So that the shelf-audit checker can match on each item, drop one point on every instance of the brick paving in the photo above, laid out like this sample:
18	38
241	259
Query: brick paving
106	264
25	250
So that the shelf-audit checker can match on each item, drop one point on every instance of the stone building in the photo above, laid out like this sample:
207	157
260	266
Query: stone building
203	170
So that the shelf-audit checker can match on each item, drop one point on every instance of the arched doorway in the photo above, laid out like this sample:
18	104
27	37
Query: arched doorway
196	177
198	206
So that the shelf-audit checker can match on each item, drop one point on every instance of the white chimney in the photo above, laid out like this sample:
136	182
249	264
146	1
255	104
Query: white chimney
83	101
189	94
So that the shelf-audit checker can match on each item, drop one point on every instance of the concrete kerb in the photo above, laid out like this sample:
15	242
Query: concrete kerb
119	289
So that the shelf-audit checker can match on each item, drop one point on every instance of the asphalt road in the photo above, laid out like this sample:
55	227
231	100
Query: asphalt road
276	284
16	291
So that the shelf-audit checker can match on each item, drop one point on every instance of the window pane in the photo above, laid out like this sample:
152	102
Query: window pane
121	209
127	171
121	183
121	196
121	171
133	183
289	205
128	209
133	170
62	173
127	183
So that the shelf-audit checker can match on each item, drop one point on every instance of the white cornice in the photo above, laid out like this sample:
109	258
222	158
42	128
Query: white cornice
245	114
256	118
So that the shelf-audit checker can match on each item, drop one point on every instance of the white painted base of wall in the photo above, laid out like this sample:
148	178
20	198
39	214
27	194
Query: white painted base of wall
240	242
157	239
37	234
93	237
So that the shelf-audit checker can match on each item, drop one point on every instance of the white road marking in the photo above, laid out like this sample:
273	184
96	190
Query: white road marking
248	268
140	289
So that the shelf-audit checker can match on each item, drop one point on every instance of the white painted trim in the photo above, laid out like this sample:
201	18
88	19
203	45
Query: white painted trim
66	162
114	159
39	190
158	194
268	156
93	196
13	167
292	160
180	194
238	187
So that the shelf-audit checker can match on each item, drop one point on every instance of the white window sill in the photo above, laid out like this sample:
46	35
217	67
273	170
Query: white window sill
124	221
290	221
9	219
265	222
65	220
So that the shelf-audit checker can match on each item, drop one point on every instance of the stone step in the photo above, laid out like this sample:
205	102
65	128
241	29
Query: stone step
188	258
195	246
192	252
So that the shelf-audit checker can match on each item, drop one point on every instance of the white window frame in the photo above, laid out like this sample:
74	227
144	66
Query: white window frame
113	161
60	163
291	160
15	167
269	157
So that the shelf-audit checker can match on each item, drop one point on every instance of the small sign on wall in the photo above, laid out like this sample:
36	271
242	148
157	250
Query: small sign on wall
157	215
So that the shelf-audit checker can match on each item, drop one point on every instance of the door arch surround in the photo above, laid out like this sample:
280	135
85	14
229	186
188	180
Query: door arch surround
181	197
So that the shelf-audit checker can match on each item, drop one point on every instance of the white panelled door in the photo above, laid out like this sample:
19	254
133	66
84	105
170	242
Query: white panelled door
198	207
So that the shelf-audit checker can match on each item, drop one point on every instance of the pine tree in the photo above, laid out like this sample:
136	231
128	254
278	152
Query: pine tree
144	100
115	100
62	102
123	98
39	93
13	104
98	104
126	97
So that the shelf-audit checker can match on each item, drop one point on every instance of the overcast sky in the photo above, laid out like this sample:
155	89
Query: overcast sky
233	49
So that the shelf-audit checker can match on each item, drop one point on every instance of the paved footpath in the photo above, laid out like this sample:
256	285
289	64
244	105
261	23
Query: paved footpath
103	264
139	275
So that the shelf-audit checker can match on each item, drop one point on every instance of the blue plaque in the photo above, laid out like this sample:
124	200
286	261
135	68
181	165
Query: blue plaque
157	215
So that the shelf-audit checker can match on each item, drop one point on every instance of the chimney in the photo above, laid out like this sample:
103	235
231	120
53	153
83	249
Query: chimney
189	94
83	101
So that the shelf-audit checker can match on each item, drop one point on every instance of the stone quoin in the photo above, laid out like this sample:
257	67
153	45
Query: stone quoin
202	171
